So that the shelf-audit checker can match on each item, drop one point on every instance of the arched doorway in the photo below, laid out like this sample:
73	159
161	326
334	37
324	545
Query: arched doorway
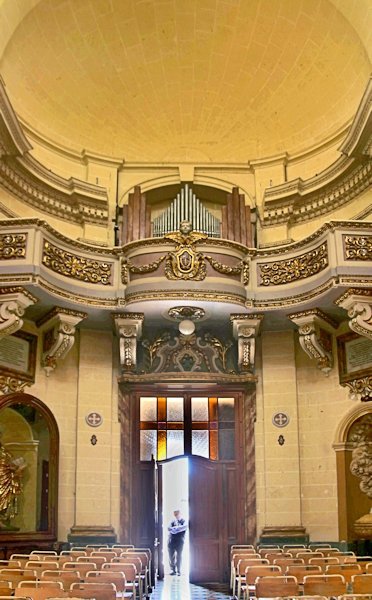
353	502
29	443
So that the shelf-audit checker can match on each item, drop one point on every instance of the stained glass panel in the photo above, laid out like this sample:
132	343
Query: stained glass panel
200	443
175	409
175	446
148	409
226	410
199	409
162	445
148	443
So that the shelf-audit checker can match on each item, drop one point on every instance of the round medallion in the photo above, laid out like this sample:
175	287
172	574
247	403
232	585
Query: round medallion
94	419
280	419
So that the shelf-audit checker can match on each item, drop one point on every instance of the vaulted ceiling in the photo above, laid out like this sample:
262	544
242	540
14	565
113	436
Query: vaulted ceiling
199	80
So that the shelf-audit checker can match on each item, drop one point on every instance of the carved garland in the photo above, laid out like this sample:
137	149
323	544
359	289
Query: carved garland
287	271
75	267
128	267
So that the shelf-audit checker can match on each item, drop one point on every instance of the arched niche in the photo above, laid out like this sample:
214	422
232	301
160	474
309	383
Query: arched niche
352	502
30	440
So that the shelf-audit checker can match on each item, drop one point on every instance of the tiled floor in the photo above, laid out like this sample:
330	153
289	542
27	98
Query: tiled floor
179	588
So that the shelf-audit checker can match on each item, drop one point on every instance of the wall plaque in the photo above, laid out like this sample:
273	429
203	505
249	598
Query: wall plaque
18	355
354	356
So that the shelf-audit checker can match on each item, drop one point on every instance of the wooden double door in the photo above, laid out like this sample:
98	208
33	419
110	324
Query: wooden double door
216	507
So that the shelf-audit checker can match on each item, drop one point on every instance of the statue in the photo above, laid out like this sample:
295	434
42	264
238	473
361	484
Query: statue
185	236
11	470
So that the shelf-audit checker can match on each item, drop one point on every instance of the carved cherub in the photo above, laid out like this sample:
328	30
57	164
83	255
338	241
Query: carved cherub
186	236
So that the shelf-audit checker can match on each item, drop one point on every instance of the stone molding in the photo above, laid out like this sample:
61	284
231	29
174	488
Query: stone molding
26	178
58	328
315	336
13	303
300	200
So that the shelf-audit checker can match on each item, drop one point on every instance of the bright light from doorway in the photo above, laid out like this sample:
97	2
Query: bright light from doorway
176	497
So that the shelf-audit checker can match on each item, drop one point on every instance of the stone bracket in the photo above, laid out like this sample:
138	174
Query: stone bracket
315	330
358	304
129	330
58	328
13	303
245	330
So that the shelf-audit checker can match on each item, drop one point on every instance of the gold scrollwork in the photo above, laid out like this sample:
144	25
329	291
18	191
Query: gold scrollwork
306	265
13	245
75	267
358	247
128	267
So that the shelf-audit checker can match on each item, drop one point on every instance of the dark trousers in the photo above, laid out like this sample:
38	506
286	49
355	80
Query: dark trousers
175	546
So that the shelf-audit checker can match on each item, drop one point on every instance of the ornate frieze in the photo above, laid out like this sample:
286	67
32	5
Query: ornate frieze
13	303
129	329
187	353
13	245
179	313
282	272
75	267
245	330
315	336
358	247
358	304
58	328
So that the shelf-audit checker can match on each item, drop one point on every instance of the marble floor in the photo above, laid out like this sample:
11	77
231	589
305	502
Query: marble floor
179	588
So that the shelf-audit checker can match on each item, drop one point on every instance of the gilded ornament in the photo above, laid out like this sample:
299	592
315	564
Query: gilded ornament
75	267
128	267
179	313
287	271
13	245
221	348
185	263
9	384
358	247
11	472
241	269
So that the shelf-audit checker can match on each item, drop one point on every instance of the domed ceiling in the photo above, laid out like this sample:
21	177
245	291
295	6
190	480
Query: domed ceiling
198	80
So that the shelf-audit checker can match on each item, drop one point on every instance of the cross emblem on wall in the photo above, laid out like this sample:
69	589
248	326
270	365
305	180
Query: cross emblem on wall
280	419
94	419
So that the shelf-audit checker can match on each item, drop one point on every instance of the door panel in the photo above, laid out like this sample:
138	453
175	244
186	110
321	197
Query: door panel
205	522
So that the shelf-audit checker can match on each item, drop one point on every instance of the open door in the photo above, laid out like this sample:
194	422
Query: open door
205	519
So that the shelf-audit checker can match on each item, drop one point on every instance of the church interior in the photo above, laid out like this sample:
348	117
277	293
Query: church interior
186	285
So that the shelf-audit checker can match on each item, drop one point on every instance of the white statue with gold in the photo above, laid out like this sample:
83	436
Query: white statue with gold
11	471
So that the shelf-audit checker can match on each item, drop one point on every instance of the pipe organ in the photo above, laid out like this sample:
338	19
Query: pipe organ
186	206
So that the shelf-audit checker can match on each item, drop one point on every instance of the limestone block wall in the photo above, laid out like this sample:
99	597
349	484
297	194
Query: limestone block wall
89	474
297	481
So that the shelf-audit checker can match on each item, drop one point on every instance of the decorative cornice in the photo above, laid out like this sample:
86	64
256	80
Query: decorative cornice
58	328
315	312
293	269
20	173
190	377
211	295
298	200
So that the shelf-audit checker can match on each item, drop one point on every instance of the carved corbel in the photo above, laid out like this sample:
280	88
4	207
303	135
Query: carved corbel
129	329
315	330
58	328
13	303
358	304
245	330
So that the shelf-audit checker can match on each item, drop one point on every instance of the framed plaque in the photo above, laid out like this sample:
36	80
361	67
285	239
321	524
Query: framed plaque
354	357
18	355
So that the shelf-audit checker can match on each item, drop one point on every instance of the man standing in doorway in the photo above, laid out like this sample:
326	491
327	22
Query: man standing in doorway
177	531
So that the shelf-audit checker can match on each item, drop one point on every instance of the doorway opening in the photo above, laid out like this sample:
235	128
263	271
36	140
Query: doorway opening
175	495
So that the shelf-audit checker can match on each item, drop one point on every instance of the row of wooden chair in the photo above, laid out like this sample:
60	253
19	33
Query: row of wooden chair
324	584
